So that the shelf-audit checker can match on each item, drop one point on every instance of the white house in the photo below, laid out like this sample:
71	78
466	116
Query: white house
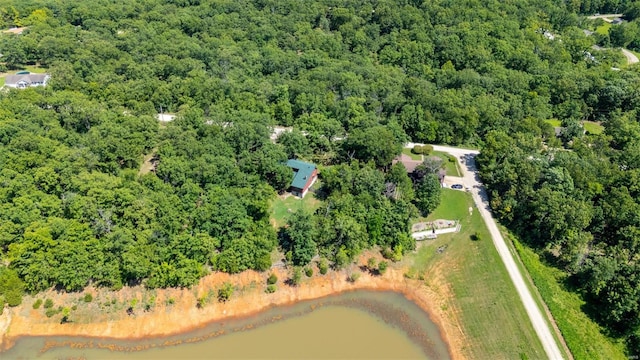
25	80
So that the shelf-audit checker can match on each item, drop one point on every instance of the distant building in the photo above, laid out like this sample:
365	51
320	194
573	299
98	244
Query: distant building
165	117
15	30
25	79
305	176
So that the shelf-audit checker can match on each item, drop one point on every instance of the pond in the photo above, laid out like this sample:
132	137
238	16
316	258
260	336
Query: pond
359	324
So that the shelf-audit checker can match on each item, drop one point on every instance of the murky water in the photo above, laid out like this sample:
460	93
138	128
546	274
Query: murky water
360	324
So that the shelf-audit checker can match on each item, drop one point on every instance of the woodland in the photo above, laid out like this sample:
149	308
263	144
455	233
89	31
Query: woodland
356	80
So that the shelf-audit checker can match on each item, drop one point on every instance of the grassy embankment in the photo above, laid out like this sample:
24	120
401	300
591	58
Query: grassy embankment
583	336
480	295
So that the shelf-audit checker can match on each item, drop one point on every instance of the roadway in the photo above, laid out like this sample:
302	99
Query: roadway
480	197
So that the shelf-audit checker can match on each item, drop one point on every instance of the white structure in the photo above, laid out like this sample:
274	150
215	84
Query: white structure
25	80
166	117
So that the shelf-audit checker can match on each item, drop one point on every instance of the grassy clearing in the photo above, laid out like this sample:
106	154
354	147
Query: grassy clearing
34	69
147	165
583	336
411	155
281	207
554	122
451	167
604	28
593	127
482	296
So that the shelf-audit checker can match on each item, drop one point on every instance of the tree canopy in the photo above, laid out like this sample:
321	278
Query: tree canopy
95	190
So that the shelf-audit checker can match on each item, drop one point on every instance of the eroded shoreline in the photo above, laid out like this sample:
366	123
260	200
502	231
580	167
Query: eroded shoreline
184	316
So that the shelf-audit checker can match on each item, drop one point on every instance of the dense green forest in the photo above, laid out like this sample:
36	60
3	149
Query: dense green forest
356	79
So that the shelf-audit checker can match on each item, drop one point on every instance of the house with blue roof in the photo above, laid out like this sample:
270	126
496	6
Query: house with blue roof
305	175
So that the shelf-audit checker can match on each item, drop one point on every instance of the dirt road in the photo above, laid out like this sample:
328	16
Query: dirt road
631	57
480	197
605	17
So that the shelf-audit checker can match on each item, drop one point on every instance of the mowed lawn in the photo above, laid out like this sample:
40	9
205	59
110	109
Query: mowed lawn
554	122
413	156
603	29
282	208
592	127
450	166
480	294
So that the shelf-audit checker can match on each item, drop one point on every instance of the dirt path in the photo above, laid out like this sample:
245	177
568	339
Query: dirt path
605	17
480	197
631	57
248	299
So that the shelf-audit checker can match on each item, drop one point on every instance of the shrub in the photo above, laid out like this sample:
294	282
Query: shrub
48	304
74	307
50	312
387	253
225	292
88	298
273	279
271	288
36	305
150	303
323	267
296	277
202	301
354	277
170	301
66	312
371	263
422	149
308	271
382	267
13	298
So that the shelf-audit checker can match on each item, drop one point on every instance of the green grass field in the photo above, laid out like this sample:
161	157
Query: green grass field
593	127
481	295
554	122
451	167
583	336
604	28
34	69
281	208
413	156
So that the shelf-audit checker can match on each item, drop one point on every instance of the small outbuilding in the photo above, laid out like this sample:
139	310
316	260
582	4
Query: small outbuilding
305	175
